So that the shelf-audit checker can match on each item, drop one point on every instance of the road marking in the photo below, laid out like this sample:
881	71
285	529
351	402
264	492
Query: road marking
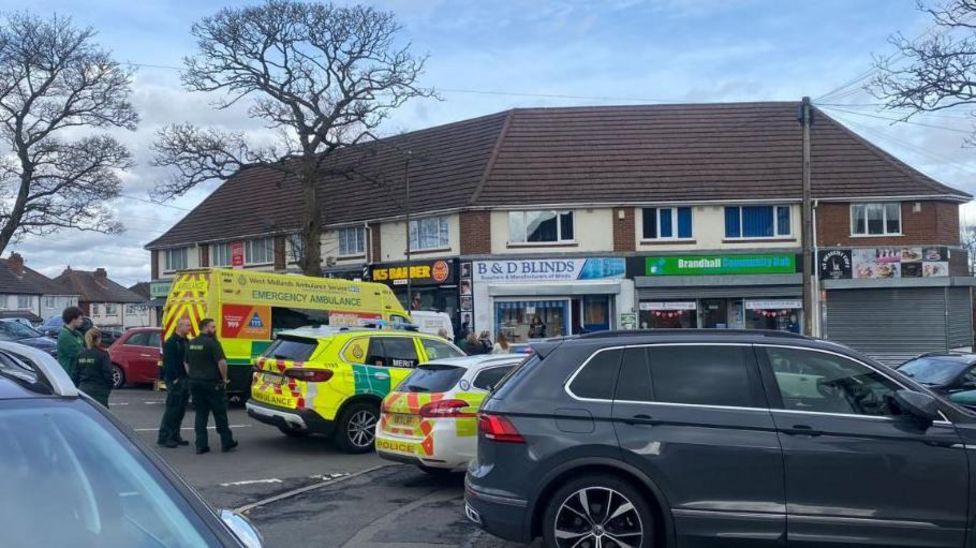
288	494
192	428
250	482
118	403
324	477
158	402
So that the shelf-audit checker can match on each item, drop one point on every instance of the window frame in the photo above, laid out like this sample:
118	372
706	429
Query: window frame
50	302
443	233
110	309
675	224
512	241
343	237
884	220
168	262
776	233
249	252
20	305
213	254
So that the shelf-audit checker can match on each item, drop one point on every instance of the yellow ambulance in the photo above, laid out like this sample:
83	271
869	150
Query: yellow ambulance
250	307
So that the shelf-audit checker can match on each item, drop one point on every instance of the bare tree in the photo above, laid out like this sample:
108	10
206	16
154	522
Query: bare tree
935	71
321	78
56	86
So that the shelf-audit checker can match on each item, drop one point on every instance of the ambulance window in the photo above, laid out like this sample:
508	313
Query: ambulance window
400	352
437	350
487	379
283	319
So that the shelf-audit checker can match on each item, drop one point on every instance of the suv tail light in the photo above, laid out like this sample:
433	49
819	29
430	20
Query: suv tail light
309	375
445	409
498	428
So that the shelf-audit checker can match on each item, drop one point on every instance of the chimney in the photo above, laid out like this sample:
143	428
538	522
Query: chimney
101	277
16	264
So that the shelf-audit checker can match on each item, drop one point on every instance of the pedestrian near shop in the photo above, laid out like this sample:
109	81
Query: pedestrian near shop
70	340
501	344
177	386
473	346
207	372
486	344
93	369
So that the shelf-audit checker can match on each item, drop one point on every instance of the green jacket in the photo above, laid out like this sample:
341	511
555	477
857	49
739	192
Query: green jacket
70	344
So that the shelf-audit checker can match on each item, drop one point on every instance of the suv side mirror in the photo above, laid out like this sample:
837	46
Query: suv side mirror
921	406
242	528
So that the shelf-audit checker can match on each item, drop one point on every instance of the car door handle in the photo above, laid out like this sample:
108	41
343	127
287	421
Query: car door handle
641	419
801	430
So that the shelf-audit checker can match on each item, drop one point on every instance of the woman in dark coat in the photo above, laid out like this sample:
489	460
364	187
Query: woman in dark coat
93	372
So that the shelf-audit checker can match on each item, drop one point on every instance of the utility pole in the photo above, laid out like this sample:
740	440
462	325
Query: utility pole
406	179
806	120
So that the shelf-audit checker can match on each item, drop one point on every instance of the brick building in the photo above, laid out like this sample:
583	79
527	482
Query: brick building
554	221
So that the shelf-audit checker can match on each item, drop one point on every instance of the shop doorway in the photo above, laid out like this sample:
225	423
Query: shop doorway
715	313
591	313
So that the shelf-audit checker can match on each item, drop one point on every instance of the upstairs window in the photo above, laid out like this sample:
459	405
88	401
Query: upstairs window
175	259
220	255
880	219
758	222
259	251
666	223
541	226
352	241
430	233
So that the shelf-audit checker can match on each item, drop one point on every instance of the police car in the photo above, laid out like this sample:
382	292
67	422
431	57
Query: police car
430	419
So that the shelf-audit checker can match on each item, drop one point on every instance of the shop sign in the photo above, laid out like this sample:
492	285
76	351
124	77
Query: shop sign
690	305
627	321
835	264
160	289
774	304
237	254
884	263
708	265
427	273
550	270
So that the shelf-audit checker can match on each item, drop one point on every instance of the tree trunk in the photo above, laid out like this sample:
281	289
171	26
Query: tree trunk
311	224
17	211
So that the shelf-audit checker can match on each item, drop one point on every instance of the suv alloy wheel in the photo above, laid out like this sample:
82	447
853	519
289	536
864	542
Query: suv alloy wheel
598	510
356	430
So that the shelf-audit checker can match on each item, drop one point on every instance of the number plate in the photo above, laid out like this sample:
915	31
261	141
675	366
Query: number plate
271	378
404	421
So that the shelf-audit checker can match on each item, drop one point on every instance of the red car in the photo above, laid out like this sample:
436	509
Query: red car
135	356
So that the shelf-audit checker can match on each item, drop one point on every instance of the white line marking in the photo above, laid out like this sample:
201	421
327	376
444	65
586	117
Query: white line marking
250	482
154	402
154	429
326	477
118	404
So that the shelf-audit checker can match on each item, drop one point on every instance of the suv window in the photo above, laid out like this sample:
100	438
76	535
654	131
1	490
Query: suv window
298	350
138	339
634	382
432	377
598	377
703	375
827	383
488	378
437	350
400	352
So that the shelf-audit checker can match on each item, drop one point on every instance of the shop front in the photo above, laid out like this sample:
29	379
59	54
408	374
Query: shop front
433	284
733	291
896	303
550	297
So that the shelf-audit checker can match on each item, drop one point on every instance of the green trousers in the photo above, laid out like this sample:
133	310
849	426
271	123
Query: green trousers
210	397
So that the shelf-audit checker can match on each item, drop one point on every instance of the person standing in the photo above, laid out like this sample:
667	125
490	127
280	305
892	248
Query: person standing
473	346
177	386
501	344
93	369
207	373
70	341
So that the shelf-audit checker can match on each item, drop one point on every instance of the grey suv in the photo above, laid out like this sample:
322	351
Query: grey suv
719	438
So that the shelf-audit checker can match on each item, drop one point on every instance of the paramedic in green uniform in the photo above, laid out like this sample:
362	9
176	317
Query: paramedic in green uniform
208	386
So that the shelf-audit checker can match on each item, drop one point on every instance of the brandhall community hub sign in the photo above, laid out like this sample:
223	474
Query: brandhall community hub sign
709	265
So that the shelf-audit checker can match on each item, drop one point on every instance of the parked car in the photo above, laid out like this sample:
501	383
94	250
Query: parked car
719	438
429	418
66	456
52	327
944	373
136	355
13	330
331	380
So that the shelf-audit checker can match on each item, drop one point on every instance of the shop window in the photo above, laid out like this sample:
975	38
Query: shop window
175	259
634	382
757	221
702	375
220	254
666	223
598	377
525	320
541	226
880	219
430	233
259	251
774	314
668	315
352	241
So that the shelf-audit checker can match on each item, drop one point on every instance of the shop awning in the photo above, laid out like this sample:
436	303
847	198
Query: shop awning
554	289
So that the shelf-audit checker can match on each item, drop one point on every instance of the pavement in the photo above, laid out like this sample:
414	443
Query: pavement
305	492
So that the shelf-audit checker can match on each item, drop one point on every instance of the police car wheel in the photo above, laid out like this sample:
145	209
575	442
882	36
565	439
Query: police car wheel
118	377
356	430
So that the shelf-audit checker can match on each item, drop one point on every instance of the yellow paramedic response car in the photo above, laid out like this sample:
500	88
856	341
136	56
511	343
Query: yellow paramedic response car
331	381
251	307
431	418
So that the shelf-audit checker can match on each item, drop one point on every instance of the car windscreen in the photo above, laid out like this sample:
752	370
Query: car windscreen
432	377
58	460
291	348
17	331
934	370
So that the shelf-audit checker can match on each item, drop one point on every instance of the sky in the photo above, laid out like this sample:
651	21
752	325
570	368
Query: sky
486	57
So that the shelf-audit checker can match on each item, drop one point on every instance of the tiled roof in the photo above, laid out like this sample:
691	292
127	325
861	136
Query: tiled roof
89	289
31	282
141	289
577	155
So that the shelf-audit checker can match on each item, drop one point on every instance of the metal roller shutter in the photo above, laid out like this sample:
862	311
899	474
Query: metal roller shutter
960	317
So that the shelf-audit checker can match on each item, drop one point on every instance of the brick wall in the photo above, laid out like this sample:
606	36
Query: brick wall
934	223
375	244
475	232
624	231
280	262
154	266
204	255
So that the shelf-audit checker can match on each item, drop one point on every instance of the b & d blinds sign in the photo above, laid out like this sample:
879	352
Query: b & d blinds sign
549	270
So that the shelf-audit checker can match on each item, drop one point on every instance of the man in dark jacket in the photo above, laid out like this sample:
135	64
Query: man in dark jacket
207	370
177	386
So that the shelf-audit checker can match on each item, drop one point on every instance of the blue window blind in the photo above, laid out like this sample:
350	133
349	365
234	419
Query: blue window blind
732	224
757	222
684	222
667	230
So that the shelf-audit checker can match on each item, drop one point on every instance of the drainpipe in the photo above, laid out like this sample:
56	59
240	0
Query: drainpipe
817	312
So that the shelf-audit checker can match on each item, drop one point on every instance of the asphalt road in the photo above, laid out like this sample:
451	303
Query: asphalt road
324	497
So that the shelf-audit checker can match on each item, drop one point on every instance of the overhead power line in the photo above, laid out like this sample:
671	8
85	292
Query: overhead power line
912	122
